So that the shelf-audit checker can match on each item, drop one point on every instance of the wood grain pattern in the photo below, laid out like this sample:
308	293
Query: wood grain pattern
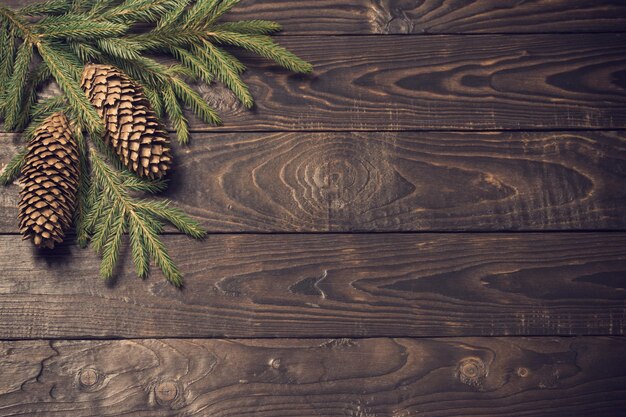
338	378
438	17
385	83
329	285
289	182
324	17
436	83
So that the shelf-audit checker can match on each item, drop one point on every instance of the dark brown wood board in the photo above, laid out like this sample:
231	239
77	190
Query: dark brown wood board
466	83
485	82
324	17
327	285
393	181
338	378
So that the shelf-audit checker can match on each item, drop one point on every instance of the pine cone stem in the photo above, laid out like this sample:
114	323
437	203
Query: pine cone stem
50	176
132	128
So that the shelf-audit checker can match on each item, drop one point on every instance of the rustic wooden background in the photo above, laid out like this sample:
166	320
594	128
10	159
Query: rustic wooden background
432	224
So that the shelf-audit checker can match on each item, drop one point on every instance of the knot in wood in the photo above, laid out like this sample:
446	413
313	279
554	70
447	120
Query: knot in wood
472	372
275	363
522	372
88	377
336	177
166	391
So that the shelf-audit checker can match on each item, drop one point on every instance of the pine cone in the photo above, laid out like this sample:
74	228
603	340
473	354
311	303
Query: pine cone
50	179
132	128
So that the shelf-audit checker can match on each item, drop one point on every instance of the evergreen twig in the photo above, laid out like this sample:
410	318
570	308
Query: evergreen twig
12	170
143	217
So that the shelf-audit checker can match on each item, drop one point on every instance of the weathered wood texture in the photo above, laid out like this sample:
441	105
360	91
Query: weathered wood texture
329	285
338	378
395	181
433	83
486	82
436	16
395	83
319	17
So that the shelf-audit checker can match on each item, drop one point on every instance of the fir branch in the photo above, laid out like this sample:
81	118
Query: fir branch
77	27
145	70
111	249
144	185
125	49
17	85
134	11
199	13
84	200
177	70
85	52
140	219
35	79
102	228
157	251
7	54
96	7
17	24
12	170
67	75
155	100
50	7
227	69
193	63
265	47
250	27
194	101
171	18
221	8
162	209
98	204
139	250
162	40
80	6
46	107
175	114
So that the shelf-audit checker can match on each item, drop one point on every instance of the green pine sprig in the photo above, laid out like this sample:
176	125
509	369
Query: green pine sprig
54	39
12	170
122	212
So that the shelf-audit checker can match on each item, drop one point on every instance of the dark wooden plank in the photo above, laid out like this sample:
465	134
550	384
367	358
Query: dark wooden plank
338	378
490	82
286	182
438	17
328	285
431	16
436	83
395	83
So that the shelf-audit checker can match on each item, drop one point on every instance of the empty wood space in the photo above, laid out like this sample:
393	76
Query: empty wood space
309	377
433	223
327	285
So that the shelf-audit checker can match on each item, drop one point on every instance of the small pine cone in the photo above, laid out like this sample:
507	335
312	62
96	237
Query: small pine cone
50	183
132	127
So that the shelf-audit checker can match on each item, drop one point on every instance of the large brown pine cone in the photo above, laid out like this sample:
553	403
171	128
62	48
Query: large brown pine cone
132	127
50	183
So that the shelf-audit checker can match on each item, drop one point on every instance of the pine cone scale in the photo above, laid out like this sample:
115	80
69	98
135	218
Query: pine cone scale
132	128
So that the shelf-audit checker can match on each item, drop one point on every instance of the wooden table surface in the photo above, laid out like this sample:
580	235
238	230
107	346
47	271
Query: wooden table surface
431	224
